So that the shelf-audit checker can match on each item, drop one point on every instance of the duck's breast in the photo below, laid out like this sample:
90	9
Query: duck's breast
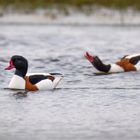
17	82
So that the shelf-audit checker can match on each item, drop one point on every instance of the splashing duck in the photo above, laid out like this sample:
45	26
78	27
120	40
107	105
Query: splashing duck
125	64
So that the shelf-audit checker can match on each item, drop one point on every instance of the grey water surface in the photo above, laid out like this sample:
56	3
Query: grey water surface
84	106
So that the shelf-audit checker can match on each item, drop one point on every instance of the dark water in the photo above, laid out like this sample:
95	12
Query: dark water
84	106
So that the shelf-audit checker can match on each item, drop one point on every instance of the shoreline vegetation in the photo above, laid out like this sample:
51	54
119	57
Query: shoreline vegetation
34	4
70	11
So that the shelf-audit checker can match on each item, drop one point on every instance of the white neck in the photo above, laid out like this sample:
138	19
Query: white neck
17	82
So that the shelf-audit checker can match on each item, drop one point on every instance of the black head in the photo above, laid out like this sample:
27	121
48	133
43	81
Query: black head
20	64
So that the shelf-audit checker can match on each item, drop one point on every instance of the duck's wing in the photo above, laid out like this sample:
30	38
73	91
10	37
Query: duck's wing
34	79
53	74
44	80
134	60
133	55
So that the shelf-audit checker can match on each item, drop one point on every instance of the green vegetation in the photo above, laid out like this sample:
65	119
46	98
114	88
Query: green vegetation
120	4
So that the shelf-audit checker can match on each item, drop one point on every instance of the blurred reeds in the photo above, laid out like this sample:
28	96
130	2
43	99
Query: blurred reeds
119	4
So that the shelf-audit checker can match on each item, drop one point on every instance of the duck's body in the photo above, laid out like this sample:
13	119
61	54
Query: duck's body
31	81
125	64
35	81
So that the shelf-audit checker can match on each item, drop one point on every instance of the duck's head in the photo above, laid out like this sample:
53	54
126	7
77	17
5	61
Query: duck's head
19	63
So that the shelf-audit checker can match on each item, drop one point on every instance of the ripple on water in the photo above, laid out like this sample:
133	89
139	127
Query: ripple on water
85	105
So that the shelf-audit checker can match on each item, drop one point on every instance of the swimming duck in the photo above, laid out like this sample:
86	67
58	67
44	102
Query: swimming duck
125	64
30	81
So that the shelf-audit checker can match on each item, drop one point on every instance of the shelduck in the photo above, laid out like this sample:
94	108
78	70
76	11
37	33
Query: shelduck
125	64
30	81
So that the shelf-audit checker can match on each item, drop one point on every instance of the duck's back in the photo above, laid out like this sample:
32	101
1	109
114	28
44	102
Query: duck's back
44	80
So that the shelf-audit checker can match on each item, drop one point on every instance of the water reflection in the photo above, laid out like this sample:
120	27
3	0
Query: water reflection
20	94
17	93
